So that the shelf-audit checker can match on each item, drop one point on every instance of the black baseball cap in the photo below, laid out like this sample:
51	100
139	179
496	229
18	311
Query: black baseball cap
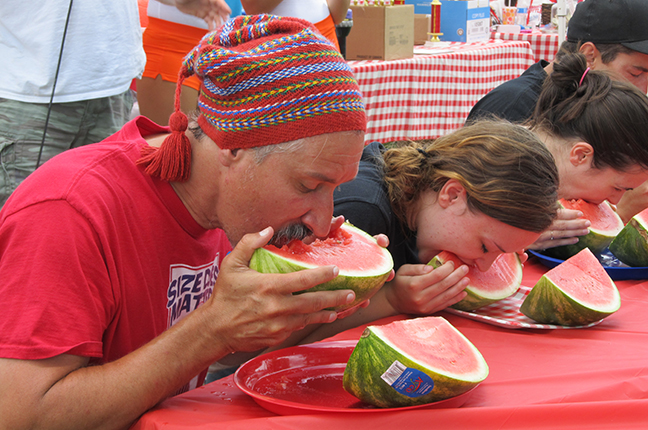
611	21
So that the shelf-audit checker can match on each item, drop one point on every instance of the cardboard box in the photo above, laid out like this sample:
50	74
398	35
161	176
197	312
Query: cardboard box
381	33
420	7
421	28
465	20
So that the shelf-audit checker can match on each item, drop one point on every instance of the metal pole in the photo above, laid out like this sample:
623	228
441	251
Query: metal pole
562	21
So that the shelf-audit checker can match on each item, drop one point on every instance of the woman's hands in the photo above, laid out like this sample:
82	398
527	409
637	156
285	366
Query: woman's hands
565	230
633	202
420	289
214	12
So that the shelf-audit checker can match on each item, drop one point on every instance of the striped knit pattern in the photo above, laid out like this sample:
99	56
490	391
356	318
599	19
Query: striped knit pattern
268	79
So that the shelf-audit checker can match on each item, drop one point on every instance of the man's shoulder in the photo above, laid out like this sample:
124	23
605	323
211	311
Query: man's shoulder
78	174
533	77
513	100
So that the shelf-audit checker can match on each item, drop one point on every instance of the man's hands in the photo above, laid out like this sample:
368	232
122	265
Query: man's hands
249	310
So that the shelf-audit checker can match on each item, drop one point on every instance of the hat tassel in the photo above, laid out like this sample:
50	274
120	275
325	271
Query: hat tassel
170	162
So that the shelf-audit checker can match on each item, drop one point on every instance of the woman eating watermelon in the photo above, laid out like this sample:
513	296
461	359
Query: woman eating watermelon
593	126
484	190
491	188
596	129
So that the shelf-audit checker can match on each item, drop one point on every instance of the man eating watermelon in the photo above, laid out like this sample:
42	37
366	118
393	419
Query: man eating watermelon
117	284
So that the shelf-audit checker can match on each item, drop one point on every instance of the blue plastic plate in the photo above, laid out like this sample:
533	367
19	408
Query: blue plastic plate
617	270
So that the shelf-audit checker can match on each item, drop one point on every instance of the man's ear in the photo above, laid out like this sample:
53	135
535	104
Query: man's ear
227	157
581	154
452	194
591	53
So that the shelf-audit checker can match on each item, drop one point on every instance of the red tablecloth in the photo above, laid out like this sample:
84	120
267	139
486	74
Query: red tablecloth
594	378
430	95
544	45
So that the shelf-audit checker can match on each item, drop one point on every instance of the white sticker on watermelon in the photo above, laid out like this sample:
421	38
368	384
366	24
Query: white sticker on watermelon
407	381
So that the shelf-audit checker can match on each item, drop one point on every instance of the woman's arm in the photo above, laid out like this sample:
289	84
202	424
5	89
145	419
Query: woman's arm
417	289
568	226
255	7
214	12
338	9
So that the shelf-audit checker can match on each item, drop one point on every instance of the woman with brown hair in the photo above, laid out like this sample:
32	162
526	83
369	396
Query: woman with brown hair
488	188
491	187
592	126
596	129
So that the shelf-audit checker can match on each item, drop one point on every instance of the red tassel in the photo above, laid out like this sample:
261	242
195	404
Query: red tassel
172	161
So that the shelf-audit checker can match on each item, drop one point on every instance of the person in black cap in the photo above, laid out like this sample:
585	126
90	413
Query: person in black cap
613	36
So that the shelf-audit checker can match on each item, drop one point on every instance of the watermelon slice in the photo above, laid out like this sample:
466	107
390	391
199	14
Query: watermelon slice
364	265
412	362
631	245
500	281
576	292
605	225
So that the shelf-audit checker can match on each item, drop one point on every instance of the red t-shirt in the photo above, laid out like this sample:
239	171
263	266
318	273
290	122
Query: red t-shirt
96	257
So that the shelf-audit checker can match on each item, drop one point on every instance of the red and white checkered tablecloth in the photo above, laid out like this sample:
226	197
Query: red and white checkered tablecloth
544	45
430	95
506	313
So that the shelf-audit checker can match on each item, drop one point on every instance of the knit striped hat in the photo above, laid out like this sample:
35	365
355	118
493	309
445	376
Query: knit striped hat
265	80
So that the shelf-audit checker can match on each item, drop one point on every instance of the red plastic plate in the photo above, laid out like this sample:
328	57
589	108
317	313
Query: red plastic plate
308	379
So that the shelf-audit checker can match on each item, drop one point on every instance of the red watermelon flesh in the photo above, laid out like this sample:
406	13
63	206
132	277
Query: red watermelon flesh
502	272
601	216
583	280
642	216
605	225
576	292
413	362
435	344
500	281
345	248
363	264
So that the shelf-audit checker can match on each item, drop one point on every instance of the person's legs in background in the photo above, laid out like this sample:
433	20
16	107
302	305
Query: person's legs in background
155	98
22	148
166	43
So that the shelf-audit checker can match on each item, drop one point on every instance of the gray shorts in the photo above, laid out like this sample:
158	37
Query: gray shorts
70	125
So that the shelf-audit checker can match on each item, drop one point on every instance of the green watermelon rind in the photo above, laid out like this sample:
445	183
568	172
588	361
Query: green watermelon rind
547	303
475	299
372	356
631	244
596	240
365	286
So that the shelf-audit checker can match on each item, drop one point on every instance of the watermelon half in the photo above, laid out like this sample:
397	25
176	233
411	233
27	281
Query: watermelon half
605	225
364	265
412	362
500	281
631	245
576	292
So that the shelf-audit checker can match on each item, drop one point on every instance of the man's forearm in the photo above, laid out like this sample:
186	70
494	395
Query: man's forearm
109	396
